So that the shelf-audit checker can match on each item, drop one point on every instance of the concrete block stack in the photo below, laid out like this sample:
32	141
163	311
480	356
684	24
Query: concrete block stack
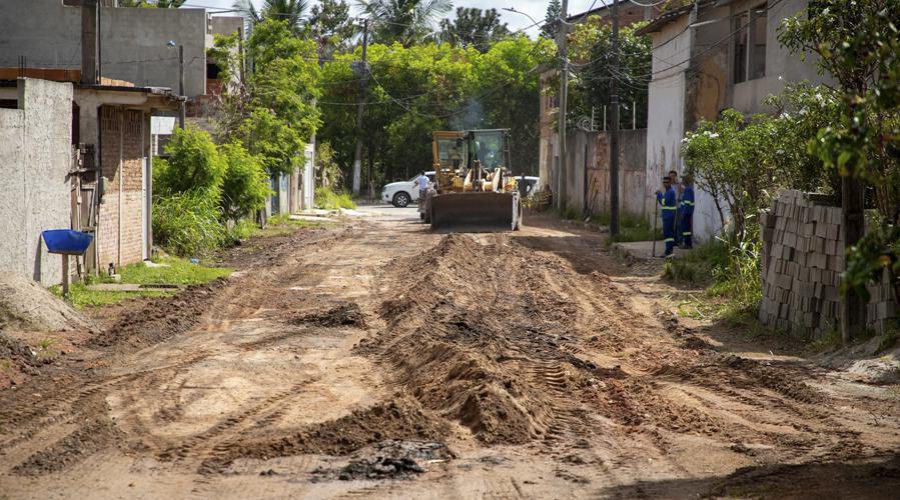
803	257
882	304
802	261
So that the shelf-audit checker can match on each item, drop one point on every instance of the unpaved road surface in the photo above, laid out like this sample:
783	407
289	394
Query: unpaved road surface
376	359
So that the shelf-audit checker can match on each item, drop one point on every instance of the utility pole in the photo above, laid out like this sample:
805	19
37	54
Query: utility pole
563	97
614	130
181	110
364	72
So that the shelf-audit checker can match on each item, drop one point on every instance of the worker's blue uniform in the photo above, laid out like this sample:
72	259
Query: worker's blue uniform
687	216
669	206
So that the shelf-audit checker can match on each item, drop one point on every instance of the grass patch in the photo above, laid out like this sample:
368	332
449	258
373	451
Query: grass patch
890	337
283	225
631	227
80	297
327	199
175	271
244	229
730	273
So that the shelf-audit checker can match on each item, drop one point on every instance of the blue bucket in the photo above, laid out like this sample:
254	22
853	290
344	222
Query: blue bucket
67	241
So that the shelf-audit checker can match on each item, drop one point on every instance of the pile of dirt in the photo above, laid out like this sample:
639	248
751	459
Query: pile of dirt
81	443
160	318
751	373
343	314
395	420
25	305
17	351
483	340
391	460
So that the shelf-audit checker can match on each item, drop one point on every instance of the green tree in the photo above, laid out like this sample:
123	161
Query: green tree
423	88
550	29
194	165
591	51
474	28
330	21
405	21
245	185
290	11
857	44
271	113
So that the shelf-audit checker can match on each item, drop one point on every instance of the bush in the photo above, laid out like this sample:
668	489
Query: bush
245	185
194	165
329	200
188	224
731	269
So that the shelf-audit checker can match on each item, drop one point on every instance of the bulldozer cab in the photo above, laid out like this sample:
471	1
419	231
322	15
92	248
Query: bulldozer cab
490	147
457	153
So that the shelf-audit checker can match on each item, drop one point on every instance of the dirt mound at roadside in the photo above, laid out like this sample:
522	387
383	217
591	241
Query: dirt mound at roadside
396	420
161	318
19	352
25	305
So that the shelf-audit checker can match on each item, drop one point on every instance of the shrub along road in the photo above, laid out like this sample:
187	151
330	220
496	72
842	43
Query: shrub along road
516	365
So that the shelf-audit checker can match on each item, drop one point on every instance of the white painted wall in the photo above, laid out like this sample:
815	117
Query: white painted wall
35	157
665	126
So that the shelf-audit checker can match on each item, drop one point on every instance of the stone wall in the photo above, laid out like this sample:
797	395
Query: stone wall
35	157
802	261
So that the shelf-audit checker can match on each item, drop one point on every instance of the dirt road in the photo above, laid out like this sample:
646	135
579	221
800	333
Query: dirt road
375	359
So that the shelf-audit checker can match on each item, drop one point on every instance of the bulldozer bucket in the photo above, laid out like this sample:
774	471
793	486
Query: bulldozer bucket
475	211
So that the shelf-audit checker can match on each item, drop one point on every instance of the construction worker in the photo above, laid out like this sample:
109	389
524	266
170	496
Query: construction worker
668	202
422	183
686	212
673	175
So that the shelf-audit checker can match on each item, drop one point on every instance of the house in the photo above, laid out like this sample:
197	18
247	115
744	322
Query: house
707	56
100	126
101	148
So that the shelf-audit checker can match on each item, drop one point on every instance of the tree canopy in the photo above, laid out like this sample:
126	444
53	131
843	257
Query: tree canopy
474	28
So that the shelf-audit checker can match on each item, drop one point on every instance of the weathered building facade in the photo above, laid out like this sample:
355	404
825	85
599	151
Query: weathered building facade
707	56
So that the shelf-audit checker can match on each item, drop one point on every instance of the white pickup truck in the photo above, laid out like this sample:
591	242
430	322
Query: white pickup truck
401	194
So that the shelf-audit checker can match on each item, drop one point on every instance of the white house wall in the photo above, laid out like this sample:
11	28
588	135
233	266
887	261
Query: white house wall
665	126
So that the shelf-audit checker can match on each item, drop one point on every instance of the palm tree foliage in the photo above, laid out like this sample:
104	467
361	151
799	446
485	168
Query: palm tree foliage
405	21
291	11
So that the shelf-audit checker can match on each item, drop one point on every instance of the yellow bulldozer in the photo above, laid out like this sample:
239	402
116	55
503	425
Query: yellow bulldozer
474	189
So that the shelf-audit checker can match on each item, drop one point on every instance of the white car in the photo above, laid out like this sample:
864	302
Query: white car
401	194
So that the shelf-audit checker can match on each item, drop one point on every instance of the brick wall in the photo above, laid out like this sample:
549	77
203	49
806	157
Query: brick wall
124	137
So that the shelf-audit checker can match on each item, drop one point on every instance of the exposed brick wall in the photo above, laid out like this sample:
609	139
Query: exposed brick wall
122	159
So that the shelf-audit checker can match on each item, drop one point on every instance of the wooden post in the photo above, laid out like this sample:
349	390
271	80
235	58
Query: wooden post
65	280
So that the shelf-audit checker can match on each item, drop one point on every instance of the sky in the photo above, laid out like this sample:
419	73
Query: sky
534	8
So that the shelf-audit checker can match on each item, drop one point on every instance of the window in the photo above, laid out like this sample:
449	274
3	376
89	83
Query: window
740	47
758	41
749	60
